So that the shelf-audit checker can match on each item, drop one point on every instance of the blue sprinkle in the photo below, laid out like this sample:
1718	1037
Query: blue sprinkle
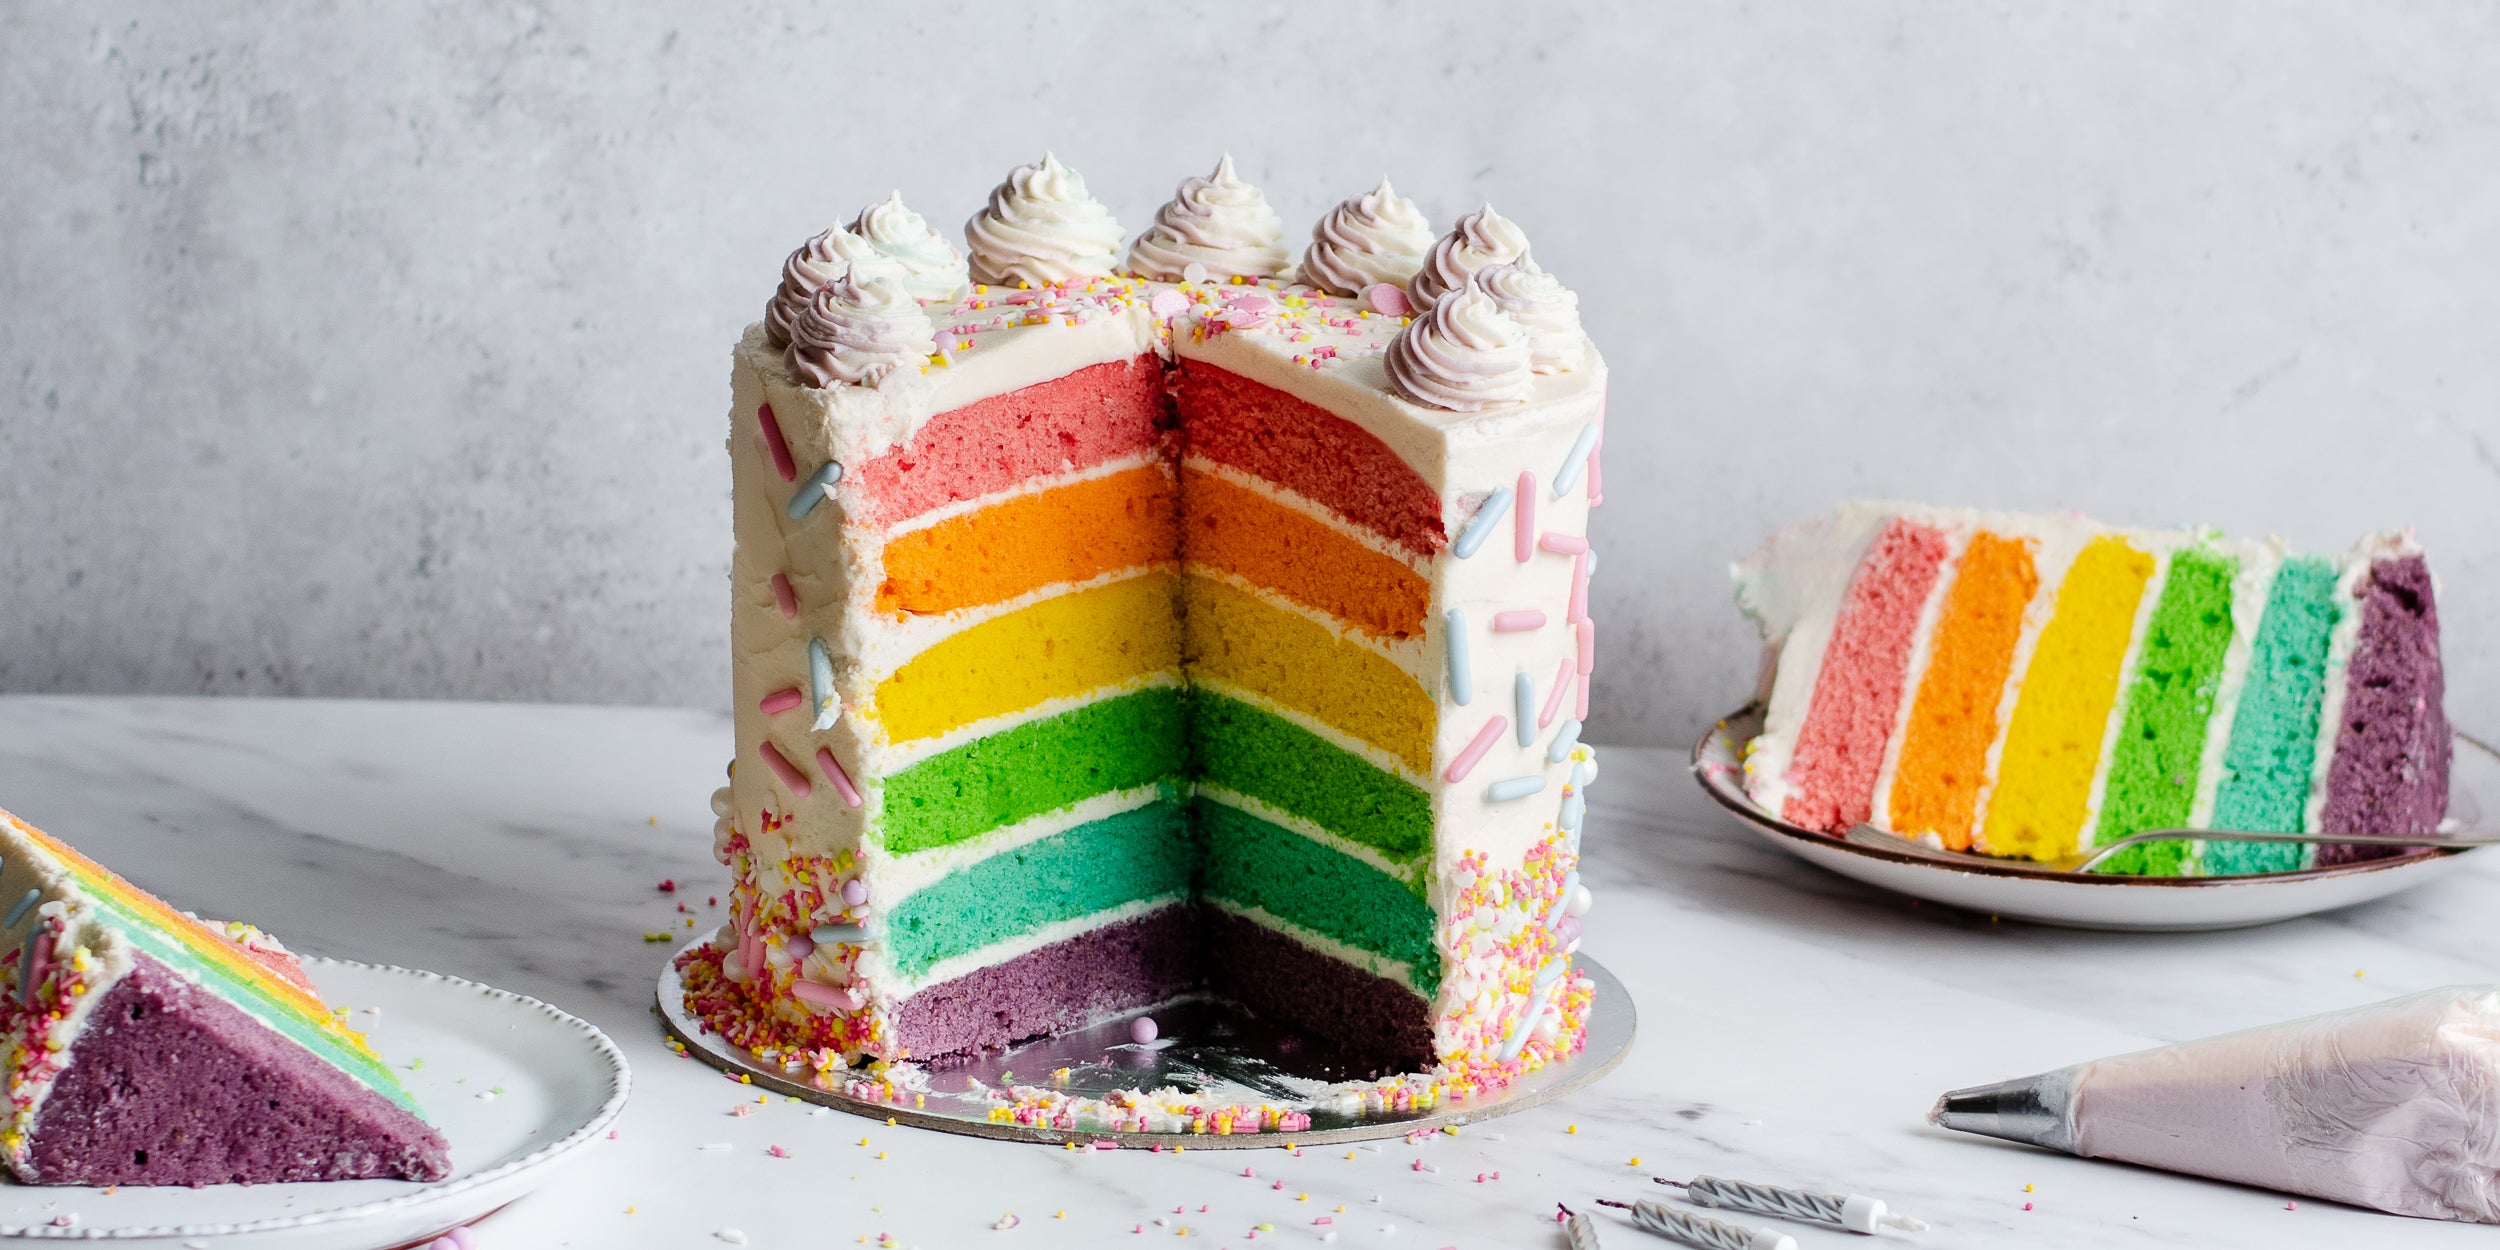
1520	1028
1456	644
1523	692
1562	901
1592	558
1548	974
1573	809
838	933
24	902
820	681
1575	460
1480	526
813	491
1565	738
1509	788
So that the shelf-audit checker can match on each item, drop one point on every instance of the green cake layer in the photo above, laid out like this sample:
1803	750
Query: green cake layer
1144	853
1039	766
1252	863
2267	767
1257	753
2161	736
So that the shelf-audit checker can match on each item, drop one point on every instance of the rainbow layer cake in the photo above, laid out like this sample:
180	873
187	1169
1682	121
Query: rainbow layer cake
1112	628
2033	686
144	1047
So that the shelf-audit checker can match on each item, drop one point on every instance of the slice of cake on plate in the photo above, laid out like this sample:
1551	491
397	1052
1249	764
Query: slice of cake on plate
145	1047
2032	686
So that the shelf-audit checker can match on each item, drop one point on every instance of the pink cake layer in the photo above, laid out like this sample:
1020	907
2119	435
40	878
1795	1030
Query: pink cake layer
1840	747
1096	414
1308	450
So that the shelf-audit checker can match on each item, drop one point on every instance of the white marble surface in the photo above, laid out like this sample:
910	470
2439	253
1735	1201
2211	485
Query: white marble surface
381	350
1794	1026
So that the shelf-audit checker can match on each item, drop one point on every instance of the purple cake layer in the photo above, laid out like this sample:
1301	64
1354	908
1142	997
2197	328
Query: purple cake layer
2390	772
172	1085
1375	1021
1066	985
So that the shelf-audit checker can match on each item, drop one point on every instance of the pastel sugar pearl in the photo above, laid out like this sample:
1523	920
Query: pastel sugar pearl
1142	1030
854	892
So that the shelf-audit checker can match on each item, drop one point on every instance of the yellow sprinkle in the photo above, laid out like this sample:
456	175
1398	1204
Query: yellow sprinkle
1636	1161
1067	1145
767	1098
1450	1129
1571	1128
744	1079
629	1210
1267	1228
863	1141
653	819
1302	1197
1060	1216
1349	1154
880	1154
889	1121
2026	1189
2357	973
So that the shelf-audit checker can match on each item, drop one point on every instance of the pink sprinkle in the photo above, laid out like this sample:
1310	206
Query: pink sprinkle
1579	609
1479	1178
1387	300
782	463
2291	1206
1588	646
668	885
842	780
1248	1172
780	701
1517	620
1168	304
1325	1219
1597	478
819	994
742	1111
790	776
776	1152
1563	544
1553	702
1523	510
1466	761
785	598
1277	1185
2026	1206
1581	711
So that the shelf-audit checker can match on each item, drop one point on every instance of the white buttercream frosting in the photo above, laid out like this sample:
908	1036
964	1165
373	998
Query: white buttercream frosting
1480	238
861	327
815	263
1464	355
937	272
1219	223
1542	306
1043	227
1378	236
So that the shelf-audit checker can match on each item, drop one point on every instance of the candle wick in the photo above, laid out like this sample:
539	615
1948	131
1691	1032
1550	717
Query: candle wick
1664	1181
1609	1202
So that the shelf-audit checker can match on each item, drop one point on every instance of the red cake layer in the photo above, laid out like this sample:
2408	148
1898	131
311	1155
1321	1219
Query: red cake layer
1096	414
1314	453
1841	746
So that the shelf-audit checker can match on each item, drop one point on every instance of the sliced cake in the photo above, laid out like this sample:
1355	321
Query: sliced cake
144	1047
2034	685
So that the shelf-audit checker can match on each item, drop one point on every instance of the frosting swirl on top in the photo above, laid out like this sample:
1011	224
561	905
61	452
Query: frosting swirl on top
1218	223
1480	238
1042	226
860	327
815	263
1542	306
1379	236
1464	355
935	272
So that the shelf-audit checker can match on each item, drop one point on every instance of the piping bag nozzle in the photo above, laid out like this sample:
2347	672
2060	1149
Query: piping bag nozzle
2031	1110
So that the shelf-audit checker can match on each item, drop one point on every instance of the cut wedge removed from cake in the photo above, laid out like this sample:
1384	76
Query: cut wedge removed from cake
145	1047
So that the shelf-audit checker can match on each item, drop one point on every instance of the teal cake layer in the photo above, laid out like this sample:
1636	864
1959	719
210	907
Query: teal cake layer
1144	853
1039	766
2267	765
1257	753
2161	737
1252	863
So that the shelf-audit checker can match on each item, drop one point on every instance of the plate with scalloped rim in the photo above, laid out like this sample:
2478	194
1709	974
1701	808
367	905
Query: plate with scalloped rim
517	1086
2099	900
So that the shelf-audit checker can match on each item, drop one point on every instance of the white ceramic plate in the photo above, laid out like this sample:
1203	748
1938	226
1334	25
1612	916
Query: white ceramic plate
2095	900
517	1086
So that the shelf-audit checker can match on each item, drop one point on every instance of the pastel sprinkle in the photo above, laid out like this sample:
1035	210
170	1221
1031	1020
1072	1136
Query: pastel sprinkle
780	701
1454	642
1142	1030
773	442
1518	620
1476	747
1588	646
785	598
1509	788
1523	697
1387	299
1575	460
1597	479
1565	738
820	682
841	778
824	934
812	491
790	776
1553	702
1480	526
24	901
1581	566
1524	545
1563	544
1581	708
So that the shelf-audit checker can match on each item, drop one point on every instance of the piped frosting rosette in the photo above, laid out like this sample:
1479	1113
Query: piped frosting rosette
1463	356
1042	227
1378	236
1480	238
1542	306
1219	223
935	272
808	269
861	327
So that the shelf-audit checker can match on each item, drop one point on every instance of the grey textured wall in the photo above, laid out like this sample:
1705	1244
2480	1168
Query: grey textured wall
386	354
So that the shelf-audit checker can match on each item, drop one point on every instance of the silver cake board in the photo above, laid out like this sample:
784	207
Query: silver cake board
1202	1044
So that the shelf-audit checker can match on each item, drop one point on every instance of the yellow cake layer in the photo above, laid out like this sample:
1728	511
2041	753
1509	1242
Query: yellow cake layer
1057	648
2053	745
1235	637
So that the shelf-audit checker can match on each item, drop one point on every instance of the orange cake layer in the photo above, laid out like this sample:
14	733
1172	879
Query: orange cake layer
1070	533
1275	547
1944	753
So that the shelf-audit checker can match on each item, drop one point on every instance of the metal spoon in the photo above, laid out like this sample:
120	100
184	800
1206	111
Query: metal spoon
1879	839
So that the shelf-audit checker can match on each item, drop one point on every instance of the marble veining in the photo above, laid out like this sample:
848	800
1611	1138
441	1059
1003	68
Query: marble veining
1795	1026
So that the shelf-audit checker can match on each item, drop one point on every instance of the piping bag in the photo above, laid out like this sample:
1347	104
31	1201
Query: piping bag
2394	1106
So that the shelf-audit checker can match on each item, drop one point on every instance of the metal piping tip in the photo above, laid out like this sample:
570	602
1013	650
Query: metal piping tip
2030	1110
